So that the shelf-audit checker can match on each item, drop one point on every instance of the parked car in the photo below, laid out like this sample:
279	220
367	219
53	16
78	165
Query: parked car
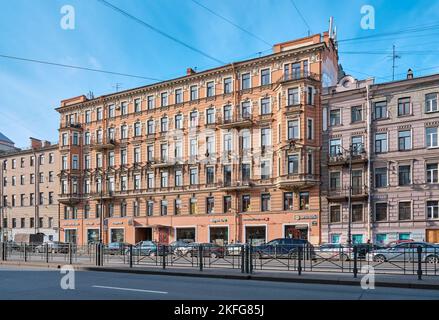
406	252
209	250
394	243
53	247
148	248
234	249
114	248
334	251
284	248
186	249
180	247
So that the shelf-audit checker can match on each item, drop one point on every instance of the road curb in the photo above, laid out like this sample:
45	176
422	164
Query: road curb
303	279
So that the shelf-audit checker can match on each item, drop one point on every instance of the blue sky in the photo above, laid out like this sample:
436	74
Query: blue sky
105	39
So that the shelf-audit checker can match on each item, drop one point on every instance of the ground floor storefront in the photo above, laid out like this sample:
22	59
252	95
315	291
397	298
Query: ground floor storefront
381	235
220	229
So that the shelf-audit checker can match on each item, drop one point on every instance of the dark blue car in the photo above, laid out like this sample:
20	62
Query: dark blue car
284	248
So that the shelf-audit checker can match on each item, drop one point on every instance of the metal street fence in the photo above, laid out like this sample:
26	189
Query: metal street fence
408	260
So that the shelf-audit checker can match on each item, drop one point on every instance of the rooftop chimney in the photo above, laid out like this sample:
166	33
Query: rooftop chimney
35	143
190	71
410	74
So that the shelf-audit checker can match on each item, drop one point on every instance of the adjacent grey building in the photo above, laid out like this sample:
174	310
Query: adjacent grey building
390	133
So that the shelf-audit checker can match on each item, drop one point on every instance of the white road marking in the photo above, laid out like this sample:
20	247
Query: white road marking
130	289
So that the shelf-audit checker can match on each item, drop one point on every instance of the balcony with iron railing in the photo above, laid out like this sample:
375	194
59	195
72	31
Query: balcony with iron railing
342	194
297	181
341	159
238	185
299	76
235	121
69	198
103	144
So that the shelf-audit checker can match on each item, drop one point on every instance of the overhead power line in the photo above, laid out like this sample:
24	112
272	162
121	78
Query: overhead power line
301	16
414	29
76	67
231	22
147	25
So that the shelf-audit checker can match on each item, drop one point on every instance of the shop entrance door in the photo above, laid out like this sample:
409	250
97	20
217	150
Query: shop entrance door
143	234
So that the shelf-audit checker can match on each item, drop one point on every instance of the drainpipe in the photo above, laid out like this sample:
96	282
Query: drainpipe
369	162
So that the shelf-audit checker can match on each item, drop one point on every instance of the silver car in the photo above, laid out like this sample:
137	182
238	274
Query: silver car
406	252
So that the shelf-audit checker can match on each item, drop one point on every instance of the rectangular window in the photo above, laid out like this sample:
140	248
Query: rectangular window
178	178
265	202
177	206
164	99
210	175
293	97
432	137
194	93
210	89
265	77
265	106
245	81
357	212
227	204
111	111
380	211
335	181
245	203
404	175
380	110
137	105
150	102
178	96
405	210
245	172
210	205
227	85
304	200
265	169
210	116
431	102
164	179
293	129
334	117
381	143
432	210
334	214
403	106
124	108
380	177
356	114
288	201
164	207
404	140
335	147
265	137
164	124
193	173
293	164
310	129
432	173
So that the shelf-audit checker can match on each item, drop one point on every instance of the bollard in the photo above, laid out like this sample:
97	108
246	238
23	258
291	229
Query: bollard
200	255
47	253
419	263
242	258
70	254
250	259
131	255
163	257
247	266
355	261
299	261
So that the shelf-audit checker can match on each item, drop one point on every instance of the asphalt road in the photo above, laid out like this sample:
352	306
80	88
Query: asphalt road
40	284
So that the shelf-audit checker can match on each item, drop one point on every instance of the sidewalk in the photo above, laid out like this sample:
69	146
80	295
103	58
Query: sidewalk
381	280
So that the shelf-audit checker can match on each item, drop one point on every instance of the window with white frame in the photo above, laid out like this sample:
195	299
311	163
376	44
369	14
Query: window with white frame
193	92
164	124
164	99
178	95
210	89
381	142
210	115
432	209
265	105
227	85
124	131
404	140
293	96
179	121
265	77
431	102
137	129
432	137
150	127
228	142
432	172
245	81
124	108
111	111
150	102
